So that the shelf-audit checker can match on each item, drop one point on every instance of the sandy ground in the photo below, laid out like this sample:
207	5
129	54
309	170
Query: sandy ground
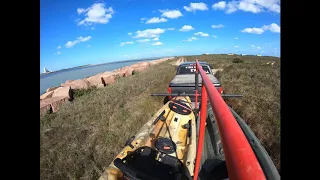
179	61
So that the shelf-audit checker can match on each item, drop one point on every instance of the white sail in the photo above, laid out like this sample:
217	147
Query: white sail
45	70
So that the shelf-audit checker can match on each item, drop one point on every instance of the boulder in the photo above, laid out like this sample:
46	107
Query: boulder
63	92
119	72
44	108
46	95
141	66
77	84
107	73
54	103
101	85
51	89
108	79
128	70
110	73
124	72
94	80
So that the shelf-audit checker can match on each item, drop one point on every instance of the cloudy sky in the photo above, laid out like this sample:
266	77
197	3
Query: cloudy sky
74	33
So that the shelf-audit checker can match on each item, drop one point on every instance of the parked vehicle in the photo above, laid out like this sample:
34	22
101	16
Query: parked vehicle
184	81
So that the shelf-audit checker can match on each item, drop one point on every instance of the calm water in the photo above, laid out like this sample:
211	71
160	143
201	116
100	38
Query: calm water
56	78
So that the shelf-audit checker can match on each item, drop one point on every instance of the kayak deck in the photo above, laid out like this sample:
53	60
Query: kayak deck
171	132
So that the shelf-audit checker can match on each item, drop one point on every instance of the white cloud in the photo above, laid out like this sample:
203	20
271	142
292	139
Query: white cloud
186	28
178	46
249	7
142	19
130	33
89	46
97	13
157	44
58	52
217	26
219	5
201	34
143	40
231	7
124	43
191	39
171	14
272	27
256	48
156	20
80	10
92	28
149	33
214	36
70	44
236	46
254	6
170	29
253	30
236	38
59	47
196	6
155	39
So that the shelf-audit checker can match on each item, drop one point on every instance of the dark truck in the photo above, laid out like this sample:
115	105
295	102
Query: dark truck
184	81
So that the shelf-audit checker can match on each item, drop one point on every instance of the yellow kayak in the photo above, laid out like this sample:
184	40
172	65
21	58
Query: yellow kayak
164	148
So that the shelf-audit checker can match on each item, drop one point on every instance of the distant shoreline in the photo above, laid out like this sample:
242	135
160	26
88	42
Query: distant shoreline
92	65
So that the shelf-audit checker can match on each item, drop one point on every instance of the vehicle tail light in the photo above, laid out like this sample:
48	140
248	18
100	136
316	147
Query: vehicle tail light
220	90
169	91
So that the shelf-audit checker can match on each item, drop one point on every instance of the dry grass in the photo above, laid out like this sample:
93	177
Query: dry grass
83	137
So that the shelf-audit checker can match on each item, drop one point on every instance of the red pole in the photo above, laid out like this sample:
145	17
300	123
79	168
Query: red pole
203	116
241	161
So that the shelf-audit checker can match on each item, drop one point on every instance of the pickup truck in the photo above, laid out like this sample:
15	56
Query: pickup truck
184	81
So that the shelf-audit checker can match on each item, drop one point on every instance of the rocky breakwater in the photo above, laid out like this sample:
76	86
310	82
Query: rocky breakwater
56	96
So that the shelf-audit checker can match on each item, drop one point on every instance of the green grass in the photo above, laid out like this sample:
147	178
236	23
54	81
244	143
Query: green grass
82	138
81	92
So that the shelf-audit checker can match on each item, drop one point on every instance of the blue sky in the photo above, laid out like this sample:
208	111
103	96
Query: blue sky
74	33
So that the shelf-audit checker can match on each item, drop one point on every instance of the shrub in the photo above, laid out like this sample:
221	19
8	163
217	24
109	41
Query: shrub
237	60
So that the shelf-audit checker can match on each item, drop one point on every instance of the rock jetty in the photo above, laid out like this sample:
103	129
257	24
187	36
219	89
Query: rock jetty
56	96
